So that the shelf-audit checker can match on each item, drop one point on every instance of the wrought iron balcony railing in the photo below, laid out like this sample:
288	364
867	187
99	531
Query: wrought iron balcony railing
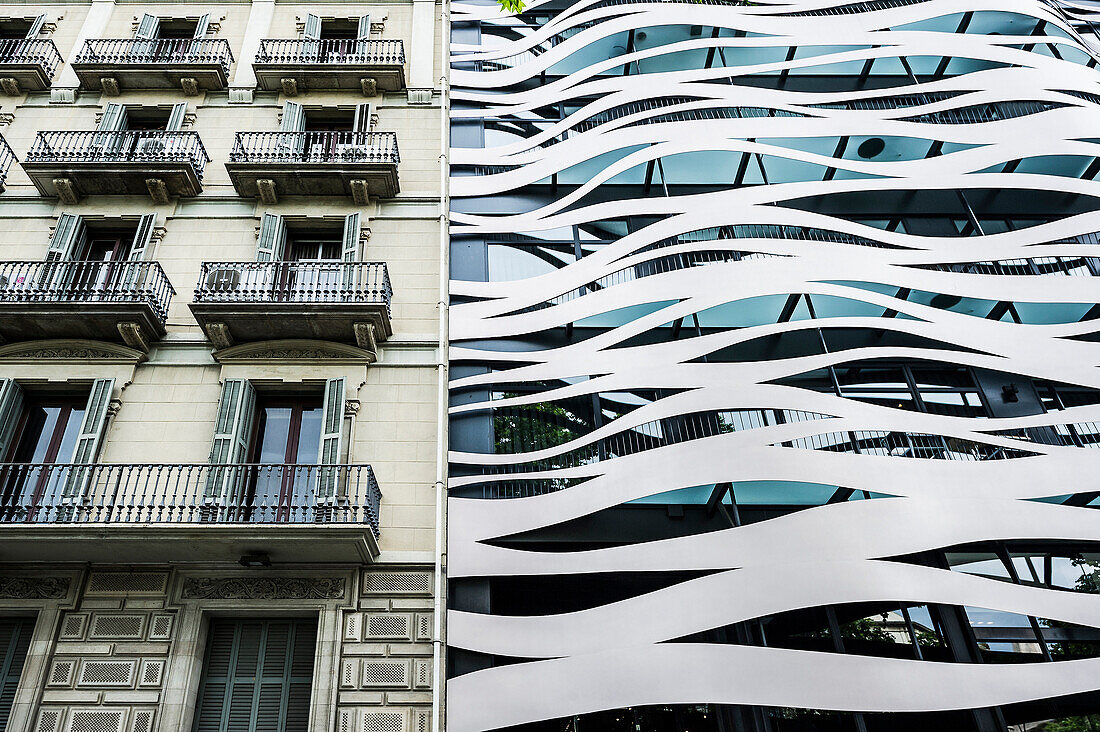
123	146
84	281
334	51
166	51
187	494
304	282
316	147
7	157
30	51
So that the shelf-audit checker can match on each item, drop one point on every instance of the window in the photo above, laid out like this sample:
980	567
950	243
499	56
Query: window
256	676
39	430
288	432
15	639
20	28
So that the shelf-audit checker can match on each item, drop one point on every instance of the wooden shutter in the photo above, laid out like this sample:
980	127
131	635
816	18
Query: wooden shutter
294	118
36	26
272	241
175	119
332	438
232	431
143	236
148	26
257	676
11	409
202	26
95	419
113	119
15	640
68	236
364	27
88	441
361	124
312	30
350	255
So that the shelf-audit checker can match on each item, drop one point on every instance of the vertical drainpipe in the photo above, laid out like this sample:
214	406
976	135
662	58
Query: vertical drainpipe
438	685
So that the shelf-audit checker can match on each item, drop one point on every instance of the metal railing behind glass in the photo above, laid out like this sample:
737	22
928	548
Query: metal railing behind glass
157	51
306	282
175	494
22	51
315	147
84	281
330	51
122	146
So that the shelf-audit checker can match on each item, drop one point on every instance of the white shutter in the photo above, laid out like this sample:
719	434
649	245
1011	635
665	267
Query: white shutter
332	438
95	418
361	124
175	119
312	30
294	118
36	26
11	409
232	431
142	236
68	236
148	26
113	119
202	26
272	241
364	27
350	255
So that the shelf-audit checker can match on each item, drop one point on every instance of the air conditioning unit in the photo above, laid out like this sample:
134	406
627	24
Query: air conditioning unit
223	280
151	146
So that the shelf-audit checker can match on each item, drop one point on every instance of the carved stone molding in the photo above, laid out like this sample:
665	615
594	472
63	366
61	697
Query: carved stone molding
33	588
64	350
6	118
293	350
263	588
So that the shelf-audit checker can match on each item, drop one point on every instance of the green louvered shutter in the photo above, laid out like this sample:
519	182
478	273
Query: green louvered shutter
11	409
36	26
349	254
15	639
232	431
332	439
257	676
202	25
88	442
272	241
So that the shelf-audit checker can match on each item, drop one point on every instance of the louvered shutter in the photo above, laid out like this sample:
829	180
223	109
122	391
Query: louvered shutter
113	119
136	275
11	409
350	255
361	123
202	26
332	439
175	119
312	29
36	26
232	431
88	441
68	236
272	242
148	27
256	676
15	640
294	124
364	27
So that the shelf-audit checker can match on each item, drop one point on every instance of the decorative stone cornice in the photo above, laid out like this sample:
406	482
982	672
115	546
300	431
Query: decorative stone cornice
263	588
33	588
293	350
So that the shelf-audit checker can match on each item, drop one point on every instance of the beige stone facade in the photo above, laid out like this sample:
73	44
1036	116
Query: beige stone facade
118	602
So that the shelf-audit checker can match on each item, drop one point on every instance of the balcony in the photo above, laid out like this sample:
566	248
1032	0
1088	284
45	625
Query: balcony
7	157
164	513
27	64
356	164
293	65
247	302
74	164
107	301
190	64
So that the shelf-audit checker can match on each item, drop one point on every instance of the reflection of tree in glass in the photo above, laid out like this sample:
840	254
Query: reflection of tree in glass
529	427
1088	582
